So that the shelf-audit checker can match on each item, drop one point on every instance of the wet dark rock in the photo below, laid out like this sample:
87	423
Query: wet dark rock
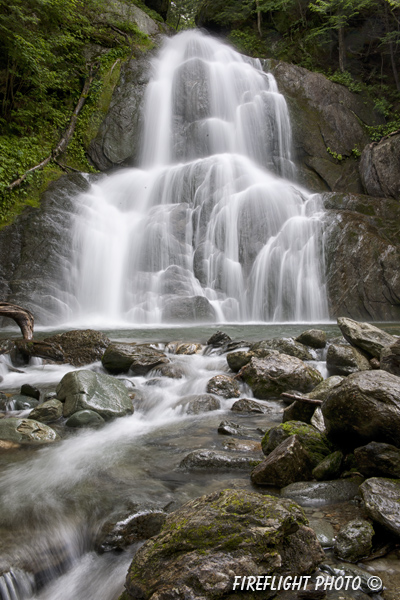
382	502
200	403
316	443
128	528
316	338
136	358
323	492
283	345
49	411
26	431
390	358
171	370
242	445
85	418
245	405
30	390
240	358
299	411
342	359
380	167
86	390
217	459
378	460
365	407
369	338
329	468
188	310
321	391
269	377
362	253
354	540
287	463
209	540
218	339
23	402
223	386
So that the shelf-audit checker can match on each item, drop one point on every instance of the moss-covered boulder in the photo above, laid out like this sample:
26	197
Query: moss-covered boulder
210	540
329	468
315	442
277	373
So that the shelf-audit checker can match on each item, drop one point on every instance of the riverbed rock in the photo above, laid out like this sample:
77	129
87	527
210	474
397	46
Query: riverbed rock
283	345
378	460
316	338
269	377
30	390
171	370
217	459
209	540
23	402
382	502
139	359
343	359
242	445
321	391
87	390
129	527
85	418
237	360
49	411
369	338
219	339
246	405
329	468
354	540
365	407
316	443
223	386
310	493
390	358
287	463
299	411
26	431
188	310
196	404
380	167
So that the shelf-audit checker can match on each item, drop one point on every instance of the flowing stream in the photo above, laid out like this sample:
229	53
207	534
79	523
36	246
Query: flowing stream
212	227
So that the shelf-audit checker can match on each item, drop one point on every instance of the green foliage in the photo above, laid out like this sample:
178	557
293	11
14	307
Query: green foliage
335	155
345	78
377	132
247	42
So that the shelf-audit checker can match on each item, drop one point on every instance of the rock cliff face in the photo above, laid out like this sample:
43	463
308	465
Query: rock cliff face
380	167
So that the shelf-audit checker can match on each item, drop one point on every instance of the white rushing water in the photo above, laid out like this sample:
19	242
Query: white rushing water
213	226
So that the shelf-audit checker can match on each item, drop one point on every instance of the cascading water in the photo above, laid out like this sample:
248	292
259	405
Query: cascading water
212	227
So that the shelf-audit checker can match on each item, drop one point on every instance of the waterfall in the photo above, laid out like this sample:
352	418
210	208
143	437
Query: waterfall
212	227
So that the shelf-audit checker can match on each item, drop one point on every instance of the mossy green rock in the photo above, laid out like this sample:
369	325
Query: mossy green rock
329	468
209	540
85	418
277	373
87	390
314	442
354	540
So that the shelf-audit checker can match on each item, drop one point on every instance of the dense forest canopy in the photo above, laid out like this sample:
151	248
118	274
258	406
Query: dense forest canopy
49	49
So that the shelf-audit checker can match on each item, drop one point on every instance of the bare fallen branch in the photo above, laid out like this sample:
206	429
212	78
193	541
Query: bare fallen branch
23	318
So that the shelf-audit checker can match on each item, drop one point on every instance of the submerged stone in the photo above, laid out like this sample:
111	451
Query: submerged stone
215	460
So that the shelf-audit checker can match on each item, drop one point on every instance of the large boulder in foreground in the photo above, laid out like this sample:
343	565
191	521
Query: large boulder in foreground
210	540
390	358
269	377
382	501
365	407
369	338
87	390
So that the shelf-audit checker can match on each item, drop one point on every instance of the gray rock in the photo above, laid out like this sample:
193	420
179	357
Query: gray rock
321	391
23	402
139	359
85	418
316	338
223	386
269	377
128	528
390	358
323	492
200	403
171	370
324	532
188	310
378	460
219	339
380	167
317	421
86	390
245	405
342	359
49	411
283	345
288	463
382	502
30	390
316	444
209	540
237	360
329	468
26	431
298	411
216	460
365	407
354	540
369	338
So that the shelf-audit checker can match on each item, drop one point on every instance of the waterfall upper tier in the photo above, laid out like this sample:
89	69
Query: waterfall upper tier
212	227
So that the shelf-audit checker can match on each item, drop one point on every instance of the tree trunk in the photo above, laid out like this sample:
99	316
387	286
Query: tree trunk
22	317
342	50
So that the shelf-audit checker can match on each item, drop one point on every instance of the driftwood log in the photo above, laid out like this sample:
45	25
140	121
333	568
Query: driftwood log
304	399
22	317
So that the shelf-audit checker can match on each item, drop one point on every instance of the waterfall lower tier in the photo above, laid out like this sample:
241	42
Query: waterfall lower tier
212	227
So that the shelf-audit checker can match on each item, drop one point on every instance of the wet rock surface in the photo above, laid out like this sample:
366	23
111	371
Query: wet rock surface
382	502
287	463
323	492
316	443
380	167
354	540
26	431
378	460
212	459
223	386
139	359
369	338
